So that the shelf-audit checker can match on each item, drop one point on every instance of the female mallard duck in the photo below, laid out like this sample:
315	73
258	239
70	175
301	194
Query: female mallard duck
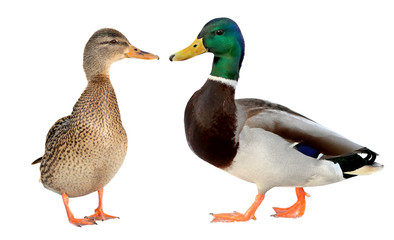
256	140
83	151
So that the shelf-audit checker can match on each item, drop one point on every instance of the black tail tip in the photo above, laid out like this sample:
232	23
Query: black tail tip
353	163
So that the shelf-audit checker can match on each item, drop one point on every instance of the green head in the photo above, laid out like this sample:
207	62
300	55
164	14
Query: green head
223	38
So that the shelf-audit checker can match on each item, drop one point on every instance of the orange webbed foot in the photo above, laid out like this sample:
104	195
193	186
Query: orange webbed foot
232	217
239	217
296	210
98	212
100	215
75	221
79	222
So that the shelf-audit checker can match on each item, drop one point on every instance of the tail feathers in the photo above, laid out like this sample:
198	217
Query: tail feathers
367	170
355	164
37	161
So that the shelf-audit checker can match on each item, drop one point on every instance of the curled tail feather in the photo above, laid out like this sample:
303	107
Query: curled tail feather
354	164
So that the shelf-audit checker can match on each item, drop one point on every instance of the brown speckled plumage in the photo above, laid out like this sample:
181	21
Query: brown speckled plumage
84	151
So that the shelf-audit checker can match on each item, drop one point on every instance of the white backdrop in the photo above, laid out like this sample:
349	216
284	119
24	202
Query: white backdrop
329	60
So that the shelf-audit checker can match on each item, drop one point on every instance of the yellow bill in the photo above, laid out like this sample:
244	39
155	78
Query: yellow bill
196	48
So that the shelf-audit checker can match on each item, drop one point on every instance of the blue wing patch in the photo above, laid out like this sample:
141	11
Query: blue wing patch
307	150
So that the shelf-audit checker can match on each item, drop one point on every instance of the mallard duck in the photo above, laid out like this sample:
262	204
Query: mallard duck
260	141
84	151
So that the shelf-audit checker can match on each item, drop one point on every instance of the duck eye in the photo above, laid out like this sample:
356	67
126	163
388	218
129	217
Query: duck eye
219	32
113	41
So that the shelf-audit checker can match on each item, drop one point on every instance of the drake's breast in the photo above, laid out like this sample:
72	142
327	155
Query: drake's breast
210	126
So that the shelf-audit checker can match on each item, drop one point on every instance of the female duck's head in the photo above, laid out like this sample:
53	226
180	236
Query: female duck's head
104	48
223	38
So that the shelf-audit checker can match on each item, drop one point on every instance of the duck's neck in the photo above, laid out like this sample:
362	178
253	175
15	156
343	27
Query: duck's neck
101	78
94	67
98	103
226	67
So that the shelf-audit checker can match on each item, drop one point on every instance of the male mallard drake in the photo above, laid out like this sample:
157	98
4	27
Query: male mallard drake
84	151
256	140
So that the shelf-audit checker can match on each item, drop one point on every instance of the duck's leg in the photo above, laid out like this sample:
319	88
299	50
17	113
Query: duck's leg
298	208
76	221
99	213
239	217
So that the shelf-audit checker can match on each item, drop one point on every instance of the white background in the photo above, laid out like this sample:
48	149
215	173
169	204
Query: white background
329	60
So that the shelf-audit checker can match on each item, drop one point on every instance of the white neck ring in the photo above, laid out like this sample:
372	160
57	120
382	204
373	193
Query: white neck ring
229	82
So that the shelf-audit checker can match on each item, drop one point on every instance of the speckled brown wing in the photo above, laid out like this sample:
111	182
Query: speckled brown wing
60	127
294	127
